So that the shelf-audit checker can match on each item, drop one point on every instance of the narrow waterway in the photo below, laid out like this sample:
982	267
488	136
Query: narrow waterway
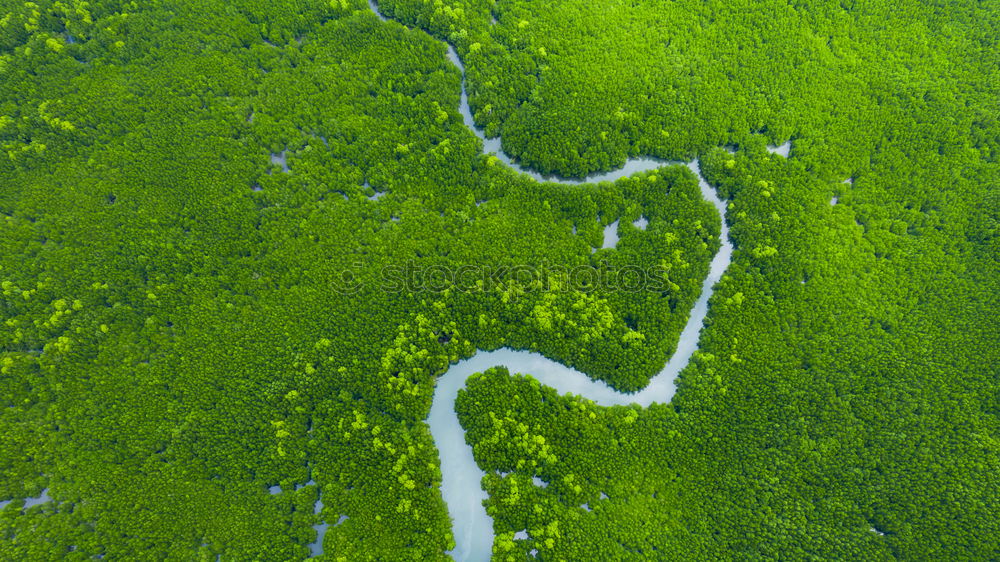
461	478
30	502
493	145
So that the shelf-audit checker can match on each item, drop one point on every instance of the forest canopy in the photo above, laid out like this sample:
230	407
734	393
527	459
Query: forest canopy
185	189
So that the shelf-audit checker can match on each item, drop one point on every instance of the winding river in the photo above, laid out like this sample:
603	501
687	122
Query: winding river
461	478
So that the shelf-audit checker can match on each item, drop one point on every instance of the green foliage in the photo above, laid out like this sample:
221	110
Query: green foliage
178	335
577	86
175	341
846	383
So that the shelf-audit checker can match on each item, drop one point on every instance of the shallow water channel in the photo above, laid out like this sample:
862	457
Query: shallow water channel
461	478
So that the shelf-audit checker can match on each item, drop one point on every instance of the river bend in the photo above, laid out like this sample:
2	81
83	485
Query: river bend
461	477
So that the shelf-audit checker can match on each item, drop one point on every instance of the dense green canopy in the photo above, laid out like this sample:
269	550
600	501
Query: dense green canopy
187	322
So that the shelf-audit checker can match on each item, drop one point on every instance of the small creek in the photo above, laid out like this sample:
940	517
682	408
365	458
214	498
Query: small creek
460	475
461	478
